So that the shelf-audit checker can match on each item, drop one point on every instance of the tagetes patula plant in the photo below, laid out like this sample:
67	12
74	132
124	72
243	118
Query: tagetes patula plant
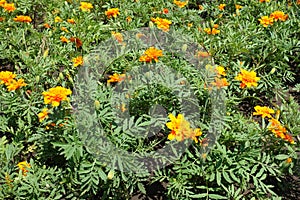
115	78
180	4
248	79
181	130
55	95
85	6
112	12
151	54
24	166
163	24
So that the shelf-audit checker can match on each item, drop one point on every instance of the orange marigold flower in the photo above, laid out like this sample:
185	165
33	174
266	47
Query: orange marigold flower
247	78
63	39
220	82
43	115
112	12
14	85
64	29
202	54
288	160
261	1
46	25
2	19
221	6
266	21
85	6
6	77
264	111
57	19
9	7
117	36
151	54
212	31
298	2
289	138
77	61
71	21
55	95
180	4
22	18
23	166
128	19
2	2
77	41
165	11
279	15
162	24
237	6
115	78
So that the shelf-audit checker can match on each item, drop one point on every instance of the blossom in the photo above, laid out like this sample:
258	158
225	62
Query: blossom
43	115
64	29
2	19
118	36
279	15
55	95
165	11
162	24
9	7
279	130
221	6
220	71
2	2
63	39
77	61
77	41
14	85
23	166
202	54
266	21
237	6
22	18
212	31
6	77
247	78
116	78
46	25
57	19
180	4
71	21
261	1
151	54
112	12
220	82
264	111
85	6
201	7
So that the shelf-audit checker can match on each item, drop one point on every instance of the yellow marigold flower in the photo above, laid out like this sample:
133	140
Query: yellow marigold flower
64	29
261	1
9	7
288	160
63	39
212	31
279	15
115	78
151	54
220	82
215	26
221	6
220	71
112	12
162	24
43	115
85	6
22	18
14	85
6	77
264	111
58	19
2	2
55	95
128	19
71	21
266	21
23	166
237	6
117	36
77	61
247	78
180	4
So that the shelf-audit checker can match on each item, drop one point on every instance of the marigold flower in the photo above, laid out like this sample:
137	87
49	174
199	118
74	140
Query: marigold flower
279	130
212	31
9	7
71	21
165	11
266	21
22	18
43	115
46	25
118	36
64	29
151	54
115	78
6	77
261	1
77	41
2	19
220	82
201	7
279	15
162	24
237	6
23	166
288	160
247	78
202	54
264	111
128	19
220	71
55	95
2	2
180	4
57	19
77	61
221	6
63	39
14	85
85	6
112	12
298	2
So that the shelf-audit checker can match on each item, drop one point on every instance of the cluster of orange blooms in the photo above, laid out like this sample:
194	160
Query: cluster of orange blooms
274	124
213	30
161	23
151	54
220	80
181	130
274	17
8	79
180	4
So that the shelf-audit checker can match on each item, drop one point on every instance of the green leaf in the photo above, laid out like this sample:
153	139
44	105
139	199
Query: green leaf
282	157
216	196
141	188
